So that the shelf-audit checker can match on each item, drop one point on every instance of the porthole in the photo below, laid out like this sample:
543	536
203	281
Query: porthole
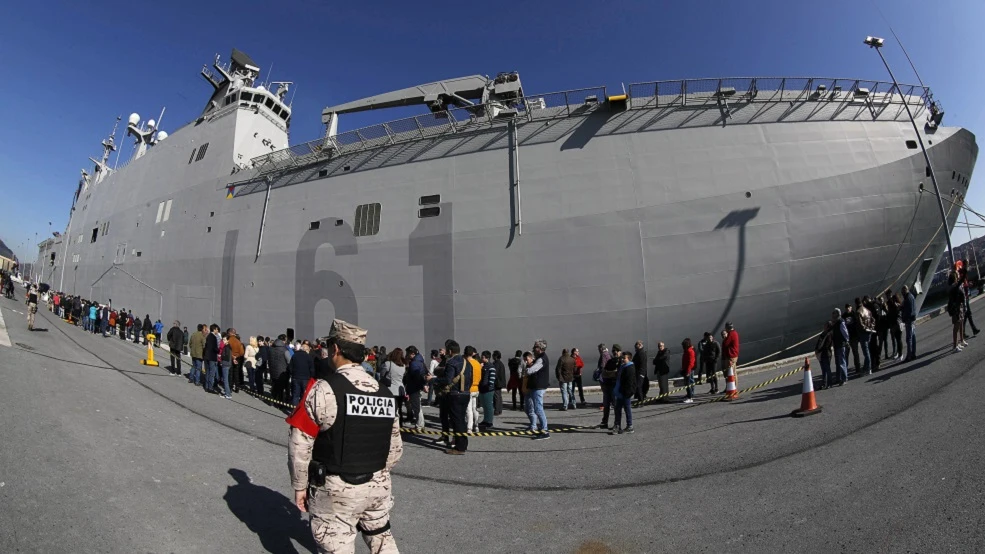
430	199
323	173
430	211
314	225
338	222
345	168
341	283
911	144
748	194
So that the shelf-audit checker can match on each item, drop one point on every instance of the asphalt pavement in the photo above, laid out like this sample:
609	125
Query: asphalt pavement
101	454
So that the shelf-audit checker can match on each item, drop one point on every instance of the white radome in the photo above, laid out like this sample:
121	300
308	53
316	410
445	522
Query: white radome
151	124
161	135
134	118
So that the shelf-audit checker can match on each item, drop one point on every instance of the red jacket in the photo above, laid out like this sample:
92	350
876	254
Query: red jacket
687	361
579	364
731	344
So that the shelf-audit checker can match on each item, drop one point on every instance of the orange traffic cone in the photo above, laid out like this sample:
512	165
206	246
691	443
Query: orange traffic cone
731	391
808	406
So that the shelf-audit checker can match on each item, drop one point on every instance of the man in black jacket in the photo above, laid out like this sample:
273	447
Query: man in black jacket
661	368
278	368
501	378
301	367
211	356
711	351
148	327
263	362
610	372
639	363
176	341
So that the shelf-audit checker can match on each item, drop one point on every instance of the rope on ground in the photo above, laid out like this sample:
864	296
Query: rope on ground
268	399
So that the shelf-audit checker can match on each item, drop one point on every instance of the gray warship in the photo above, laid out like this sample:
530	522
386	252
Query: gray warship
497	217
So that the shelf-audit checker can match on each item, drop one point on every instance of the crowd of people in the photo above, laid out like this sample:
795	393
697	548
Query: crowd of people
461	381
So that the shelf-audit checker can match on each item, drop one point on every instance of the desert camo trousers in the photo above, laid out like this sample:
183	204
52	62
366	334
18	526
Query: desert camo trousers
339	511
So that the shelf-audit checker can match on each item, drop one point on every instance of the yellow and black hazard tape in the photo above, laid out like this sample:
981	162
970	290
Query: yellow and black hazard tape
759	386
267	398
518	433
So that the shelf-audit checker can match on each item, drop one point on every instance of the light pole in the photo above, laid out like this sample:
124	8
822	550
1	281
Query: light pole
875	42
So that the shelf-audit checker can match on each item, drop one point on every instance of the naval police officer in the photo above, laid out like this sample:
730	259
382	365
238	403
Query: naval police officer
345	438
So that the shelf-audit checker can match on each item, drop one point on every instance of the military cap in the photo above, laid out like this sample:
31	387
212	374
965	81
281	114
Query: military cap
348	332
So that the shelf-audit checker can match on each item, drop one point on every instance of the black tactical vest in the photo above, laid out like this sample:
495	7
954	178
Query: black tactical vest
359	440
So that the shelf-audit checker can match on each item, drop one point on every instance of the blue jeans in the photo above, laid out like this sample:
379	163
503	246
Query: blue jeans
250	376
826	370
911	340
689	382
625	403
85	323
211	374
196	372
567	395
297	389
863	342
225	377
841	363
535	410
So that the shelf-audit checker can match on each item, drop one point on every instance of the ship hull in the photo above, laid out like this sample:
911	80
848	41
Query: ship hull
650	235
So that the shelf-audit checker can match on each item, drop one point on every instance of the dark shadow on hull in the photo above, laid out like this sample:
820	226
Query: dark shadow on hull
736	218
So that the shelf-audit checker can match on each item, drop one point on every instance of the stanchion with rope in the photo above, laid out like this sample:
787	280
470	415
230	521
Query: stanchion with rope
149	361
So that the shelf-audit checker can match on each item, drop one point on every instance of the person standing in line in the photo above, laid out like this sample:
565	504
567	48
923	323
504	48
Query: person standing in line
851	322
840	340
225	364
710	355
433	364
472	414
966	289
894	306
579	370
415	381
185	337
538	379
176	340
608	377
730	347
865	325
955	308
211	353
158	329
565	373
513	386
639	365
875	346
603	361
238	352
301	368
487	387
622	393
661	369
340	457
908	313
279	377
250	362
263	363
104	329
147	328
822	350
456	381
700	362
121	321
880	311
687	369
392	372
501	376
196	348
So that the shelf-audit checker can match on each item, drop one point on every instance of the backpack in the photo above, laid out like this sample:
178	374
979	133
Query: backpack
385	379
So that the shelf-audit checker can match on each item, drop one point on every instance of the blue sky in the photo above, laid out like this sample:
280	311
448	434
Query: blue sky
73	67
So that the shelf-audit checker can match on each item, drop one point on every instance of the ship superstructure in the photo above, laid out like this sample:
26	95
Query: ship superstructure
656	212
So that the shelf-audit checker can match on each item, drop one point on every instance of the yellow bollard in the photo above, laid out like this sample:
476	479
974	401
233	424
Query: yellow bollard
150	352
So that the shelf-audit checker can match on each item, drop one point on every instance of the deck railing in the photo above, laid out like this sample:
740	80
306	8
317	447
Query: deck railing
579	102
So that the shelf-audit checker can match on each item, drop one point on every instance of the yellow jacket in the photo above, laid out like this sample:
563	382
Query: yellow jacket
476	374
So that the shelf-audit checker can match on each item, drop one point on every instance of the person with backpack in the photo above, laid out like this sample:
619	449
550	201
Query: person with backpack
623	392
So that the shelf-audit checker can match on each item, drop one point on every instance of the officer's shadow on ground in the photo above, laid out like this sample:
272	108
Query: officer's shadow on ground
271	516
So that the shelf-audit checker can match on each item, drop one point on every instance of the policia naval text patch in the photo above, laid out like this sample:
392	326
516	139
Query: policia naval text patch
372	406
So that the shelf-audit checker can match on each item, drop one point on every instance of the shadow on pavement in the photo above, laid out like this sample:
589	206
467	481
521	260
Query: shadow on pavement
271	516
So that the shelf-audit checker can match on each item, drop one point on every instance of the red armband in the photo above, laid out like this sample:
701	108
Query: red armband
300	418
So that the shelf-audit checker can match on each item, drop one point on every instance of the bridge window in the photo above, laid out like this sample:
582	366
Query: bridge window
367	220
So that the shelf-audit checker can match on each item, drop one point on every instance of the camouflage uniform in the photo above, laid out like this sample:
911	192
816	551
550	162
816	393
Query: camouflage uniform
337	507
